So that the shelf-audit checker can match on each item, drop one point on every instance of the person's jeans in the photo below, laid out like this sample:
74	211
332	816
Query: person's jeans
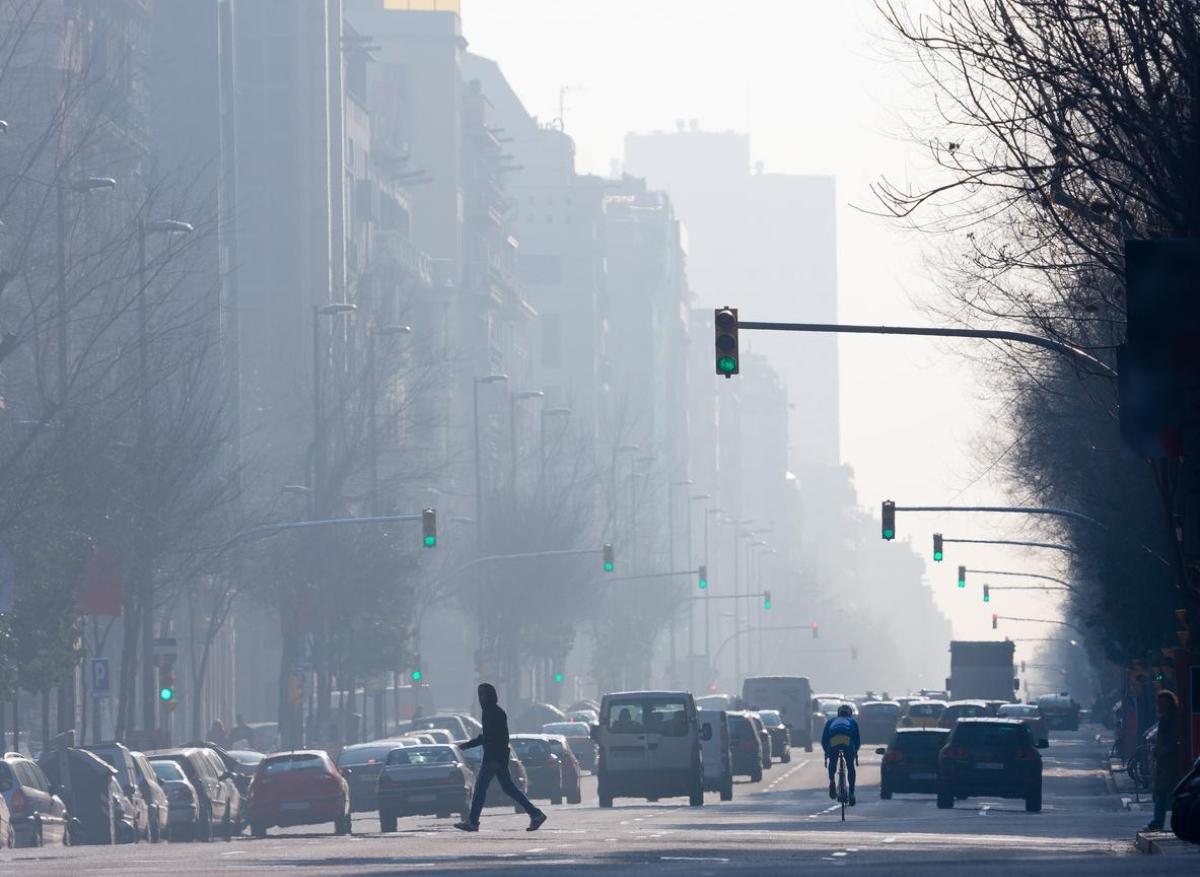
1162	801
486	773
851	773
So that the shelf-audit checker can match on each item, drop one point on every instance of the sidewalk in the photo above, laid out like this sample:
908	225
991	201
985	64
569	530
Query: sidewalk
1166	843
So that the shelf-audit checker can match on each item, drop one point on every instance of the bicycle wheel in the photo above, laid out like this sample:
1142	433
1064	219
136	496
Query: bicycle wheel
843	793
1138	768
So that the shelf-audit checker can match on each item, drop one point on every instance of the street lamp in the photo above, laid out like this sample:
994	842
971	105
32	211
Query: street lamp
513	398
331	309
389	331
496	378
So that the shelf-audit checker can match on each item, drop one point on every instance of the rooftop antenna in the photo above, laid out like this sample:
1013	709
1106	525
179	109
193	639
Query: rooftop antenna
563	91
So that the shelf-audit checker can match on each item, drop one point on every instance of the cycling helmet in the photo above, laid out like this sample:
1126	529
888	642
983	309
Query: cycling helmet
845	711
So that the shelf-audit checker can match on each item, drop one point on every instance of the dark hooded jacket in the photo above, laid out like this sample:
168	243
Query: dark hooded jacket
494	738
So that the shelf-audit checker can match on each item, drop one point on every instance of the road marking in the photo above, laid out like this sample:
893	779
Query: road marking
535	850
839	853
788	774
984	808
716	859
889	840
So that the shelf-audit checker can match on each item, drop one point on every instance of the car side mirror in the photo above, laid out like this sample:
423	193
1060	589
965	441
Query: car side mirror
346	771
706	732
594	733
1043	744
881	751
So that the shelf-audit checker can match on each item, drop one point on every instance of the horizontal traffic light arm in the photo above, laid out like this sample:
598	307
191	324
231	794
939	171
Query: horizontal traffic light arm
727	597
746	630
1057	621
270	529
655	575
1068	548
985	334
1065	586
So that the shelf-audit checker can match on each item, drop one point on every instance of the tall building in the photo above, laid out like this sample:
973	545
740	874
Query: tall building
765	243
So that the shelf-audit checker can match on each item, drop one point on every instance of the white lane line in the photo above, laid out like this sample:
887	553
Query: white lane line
716	859
535	850
984	808
788	774
889	840
839	853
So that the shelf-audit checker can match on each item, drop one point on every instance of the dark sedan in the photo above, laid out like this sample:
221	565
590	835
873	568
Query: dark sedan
542	767
418	780
361	766
910	761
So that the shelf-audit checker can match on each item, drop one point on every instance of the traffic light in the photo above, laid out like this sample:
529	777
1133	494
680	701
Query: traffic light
816	631
962	576
766	599
889	519
429	527
725	326
703	577
995	621
166	688
609	565
558	678
416	675
937	547
987	594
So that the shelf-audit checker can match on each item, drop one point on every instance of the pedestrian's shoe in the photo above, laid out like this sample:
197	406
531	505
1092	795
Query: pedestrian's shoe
851	799
536	821
467	826
832	791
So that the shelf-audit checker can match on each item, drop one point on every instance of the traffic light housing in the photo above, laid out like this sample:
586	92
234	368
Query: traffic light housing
987	594
816	631
725	326
889	519
558	678
937	548
609	563
962	576
766	599
703	577
429	527
995	621
166	688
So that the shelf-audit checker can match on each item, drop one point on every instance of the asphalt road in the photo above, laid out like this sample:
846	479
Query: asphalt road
783	825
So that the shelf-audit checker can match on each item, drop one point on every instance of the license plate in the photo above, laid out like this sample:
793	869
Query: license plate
989	765
422	796
295	805
923	776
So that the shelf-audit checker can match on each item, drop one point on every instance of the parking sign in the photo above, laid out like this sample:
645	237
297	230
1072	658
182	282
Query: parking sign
100	678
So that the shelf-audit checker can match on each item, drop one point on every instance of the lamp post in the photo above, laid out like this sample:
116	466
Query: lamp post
708	513
326	310
149	687
671	486
513	399
475	382
688	565
389	331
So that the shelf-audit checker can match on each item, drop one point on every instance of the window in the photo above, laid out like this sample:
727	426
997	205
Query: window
668	719
370	755
416	755
625	718
166	771
6	778
292	763
992	736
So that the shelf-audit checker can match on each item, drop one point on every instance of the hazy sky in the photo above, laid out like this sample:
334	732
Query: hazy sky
819	87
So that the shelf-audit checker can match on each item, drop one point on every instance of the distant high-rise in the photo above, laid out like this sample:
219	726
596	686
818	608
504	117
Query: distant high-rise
766	243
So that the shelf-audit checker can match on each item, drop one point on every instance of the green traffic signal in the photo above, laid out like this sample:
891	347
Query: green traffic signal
727	365
416	675
987	594
766	599
962	576
166	694
430	541
703	577
558	677
937	547
609	558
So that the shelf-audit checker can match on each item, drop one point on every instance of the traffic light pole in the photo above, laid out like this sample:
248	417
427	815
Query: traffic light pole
746	630
1051	545
1066	586
1041	621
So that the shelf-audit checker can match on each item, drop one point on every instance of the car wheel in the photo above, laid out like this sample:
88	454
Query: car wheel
257	829
576	797
557	798
808	746
786	758
756	776
945	799
387	822
727	790
606	801
885	793
696	798
155	835
1033	804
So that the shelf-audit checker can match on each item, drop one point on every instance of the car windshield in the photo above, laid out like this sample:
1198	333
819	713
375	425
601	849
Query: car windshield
1017	711
421	755
770	718
879	710
290	763
167	771
567	729
535	749
352	756
992	735
246	756
966	709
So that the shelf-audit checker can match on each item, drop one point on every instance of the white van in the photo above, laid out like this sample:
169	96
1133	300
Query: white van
649	747
791	696
714	752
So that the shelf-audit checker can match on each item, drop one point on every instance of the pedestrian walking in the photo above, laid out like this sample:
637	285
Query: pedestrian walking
494	741
1166	757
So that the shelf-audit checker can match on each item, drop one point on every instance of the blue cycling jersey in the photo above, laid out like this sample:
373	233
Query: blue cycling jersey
841	732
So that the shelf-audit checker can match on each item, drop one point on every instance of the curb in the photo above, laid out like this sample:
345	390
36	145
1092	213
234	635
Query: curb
1159	843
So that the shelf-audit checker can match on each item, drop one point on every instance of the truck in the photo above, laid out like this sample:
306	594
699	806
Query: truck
791	696
982	671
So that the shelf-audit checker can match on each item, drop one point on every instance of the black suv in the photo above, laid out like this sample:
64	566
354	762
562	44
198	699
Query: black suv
910	761
990	757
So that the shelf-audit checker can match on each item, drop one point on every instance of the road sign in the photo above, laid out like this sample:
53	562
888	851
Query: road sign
100	679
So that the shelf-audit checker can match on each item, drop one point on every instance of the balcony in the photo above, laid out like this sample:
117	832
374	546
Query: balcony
395	249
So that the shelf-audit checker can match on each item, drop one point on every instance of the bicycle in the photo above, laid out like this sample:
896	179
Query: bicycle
843	790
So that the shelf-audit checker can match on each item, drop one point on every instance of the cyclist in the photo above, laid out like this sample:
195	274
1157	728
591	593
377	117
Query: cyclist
841	735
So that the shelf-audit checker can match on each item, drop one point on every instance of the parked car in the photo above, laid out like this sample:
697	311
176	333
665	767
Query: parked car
157	806
778	735
183	808
923	714
249	757
542	767
745	746
240	773
419	780
990	757
579	738
217	798
1028	713
119	756
962	709
1060	710
33	814
764	736
302	787
877	720
495	795
572	773
361	765
715	752
439	735
91	796
910	761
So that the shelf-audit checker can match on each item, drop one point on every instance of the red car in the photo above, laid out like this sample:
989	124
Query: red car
298	788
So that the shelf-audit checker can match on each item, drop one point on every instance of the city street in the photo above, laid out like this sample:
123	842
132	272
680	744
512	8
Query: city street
782	825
